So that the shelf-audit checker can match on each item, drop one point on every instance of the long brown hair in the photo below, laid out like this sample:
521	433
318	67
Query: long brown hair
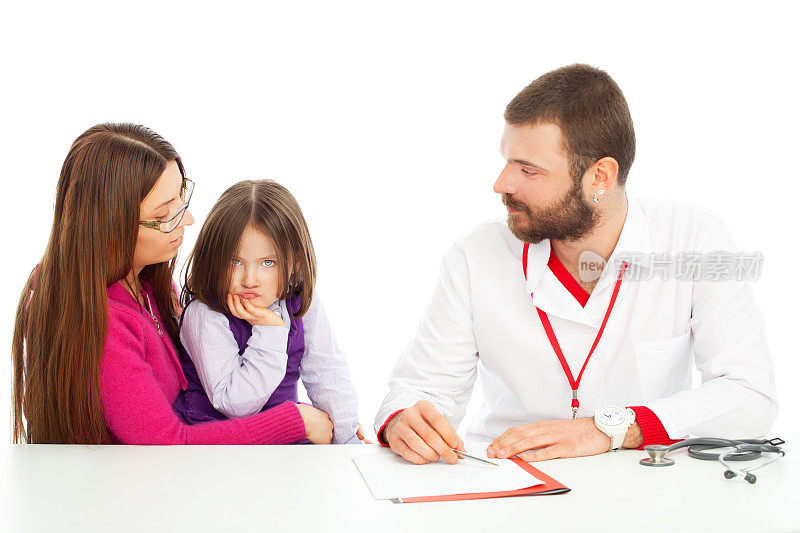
62	317
268	207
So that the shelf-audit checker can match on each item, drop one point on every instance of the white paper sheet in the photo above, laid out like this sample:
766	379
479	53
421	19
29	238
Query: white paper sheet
390	476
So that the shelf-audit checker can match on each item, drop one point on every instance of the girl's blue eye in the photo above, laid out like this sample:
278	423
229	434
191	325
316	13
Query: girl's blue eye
267	262
235	262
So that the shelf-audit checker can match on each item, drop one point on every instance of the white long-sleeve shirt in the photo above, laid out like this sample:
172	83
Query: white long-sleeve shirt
240	385
482	321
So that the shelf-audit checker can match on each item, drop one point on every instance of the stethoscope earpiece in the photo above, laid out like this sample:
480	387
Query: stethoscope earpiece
750	478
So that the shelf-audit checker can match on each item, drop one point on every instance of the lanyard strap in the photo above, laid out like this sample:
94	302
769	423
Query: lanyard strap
548	328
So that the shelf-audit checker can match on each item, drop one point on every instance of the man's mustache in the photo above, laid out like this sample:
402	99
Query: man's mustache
513	204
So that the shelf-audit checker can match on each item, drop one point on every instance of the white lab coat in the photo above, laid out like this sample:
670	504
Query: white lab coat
482	322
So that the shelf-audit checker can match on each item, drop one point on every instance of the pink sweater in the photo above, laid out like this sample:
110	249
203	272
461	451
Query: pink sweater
140	376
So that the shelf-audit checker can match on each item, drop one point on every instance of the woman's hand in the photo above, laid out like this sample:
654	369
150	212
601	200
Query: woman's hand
256	315
360	435
319	428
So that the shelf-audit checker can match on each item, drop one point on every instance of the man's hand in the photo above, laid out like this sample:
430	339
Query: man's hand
421	434
557	438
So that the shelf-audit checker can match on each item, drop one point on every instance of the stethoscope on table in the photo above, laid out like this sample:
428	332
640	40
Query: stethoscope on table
739	450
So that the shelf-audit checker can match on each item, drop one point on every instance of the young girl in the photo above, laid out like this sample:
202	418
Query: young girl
251	326
94	339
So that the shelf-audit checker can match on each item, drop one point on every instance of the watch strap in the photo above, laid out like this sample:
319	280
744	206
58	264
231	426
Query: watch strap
618	436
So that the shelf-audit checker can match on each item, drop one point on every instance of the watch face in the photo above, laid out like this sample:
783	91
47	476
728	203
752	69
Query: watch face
612	416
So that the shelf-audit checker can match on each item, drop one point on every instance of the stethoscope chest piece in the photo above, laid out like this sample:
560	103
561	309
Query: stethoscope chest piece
656	453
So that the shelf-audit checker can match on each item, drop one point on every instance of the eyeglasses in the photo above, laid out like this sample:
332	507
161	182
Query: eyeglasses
167	226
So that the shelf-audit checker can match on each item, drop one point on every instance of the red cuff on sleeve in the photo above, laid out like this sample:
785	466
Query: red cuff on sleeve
380	431
653	431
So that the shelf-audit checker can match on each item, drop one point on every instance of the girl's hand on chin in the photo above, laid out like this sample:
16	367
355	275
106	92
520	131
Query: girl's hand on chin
256	315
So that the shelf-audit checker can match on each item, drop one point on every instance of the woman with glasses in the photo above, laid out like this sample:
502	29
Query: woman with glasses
95	334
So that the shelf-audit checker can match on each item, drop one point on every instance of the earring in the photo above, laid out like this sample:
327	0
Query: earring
596	198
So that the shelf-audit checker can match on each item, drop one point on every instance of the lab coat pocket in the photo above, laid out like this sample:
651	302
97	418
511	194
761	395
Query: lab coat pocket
664	366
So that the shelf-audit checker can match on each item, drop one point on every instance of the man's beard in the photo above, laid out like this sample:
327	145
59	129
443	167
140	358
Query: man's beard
570	219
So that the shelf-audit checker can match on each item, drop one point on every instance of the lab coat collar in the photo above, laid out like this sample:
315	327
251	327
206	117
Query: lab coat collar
552	297
634	242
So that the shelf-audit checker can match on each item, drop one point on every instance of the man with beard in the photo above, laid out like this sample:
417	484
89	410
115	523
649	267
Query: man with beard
580	313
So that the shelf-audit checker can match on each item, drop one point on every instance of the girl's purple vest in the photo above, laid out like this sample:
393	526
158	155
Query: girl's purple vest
193	406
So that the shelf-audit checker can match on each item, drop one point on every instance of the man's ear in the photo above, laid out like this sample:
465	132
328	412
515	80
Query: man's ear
604	173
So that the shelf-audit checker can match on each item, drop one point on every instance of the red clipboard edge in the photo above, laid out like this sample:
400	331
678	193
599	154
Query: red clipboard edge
550	486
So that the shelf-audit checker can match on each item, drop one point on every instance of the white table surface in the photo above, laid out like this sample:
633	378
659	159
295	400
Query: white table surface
304	488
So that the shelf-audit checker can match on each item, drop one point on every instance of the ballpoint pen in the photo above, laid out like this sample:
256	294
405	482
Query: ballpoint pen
462	455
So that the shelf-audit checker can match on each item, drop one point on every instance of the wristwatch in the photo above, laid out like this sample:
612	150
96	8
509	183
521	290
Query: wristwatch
614	421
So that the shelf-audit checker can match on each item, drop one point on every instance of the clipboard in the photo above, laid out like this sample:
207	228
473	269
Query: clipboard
550	486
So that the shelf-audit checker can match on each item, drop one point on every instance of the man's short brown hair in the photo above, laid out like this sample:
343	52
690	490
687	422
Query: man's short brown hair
591	111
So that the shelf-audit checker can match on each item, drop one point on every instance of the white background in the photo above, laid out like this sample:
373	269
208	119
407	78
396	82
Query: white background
385	122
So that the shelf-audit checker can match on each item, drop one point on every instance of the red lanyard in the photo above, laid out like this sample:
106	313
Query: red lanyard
573	383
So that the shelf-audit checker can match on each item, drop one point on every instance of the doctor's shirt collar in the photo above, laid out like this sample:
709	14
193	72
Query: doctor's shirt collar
634	241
